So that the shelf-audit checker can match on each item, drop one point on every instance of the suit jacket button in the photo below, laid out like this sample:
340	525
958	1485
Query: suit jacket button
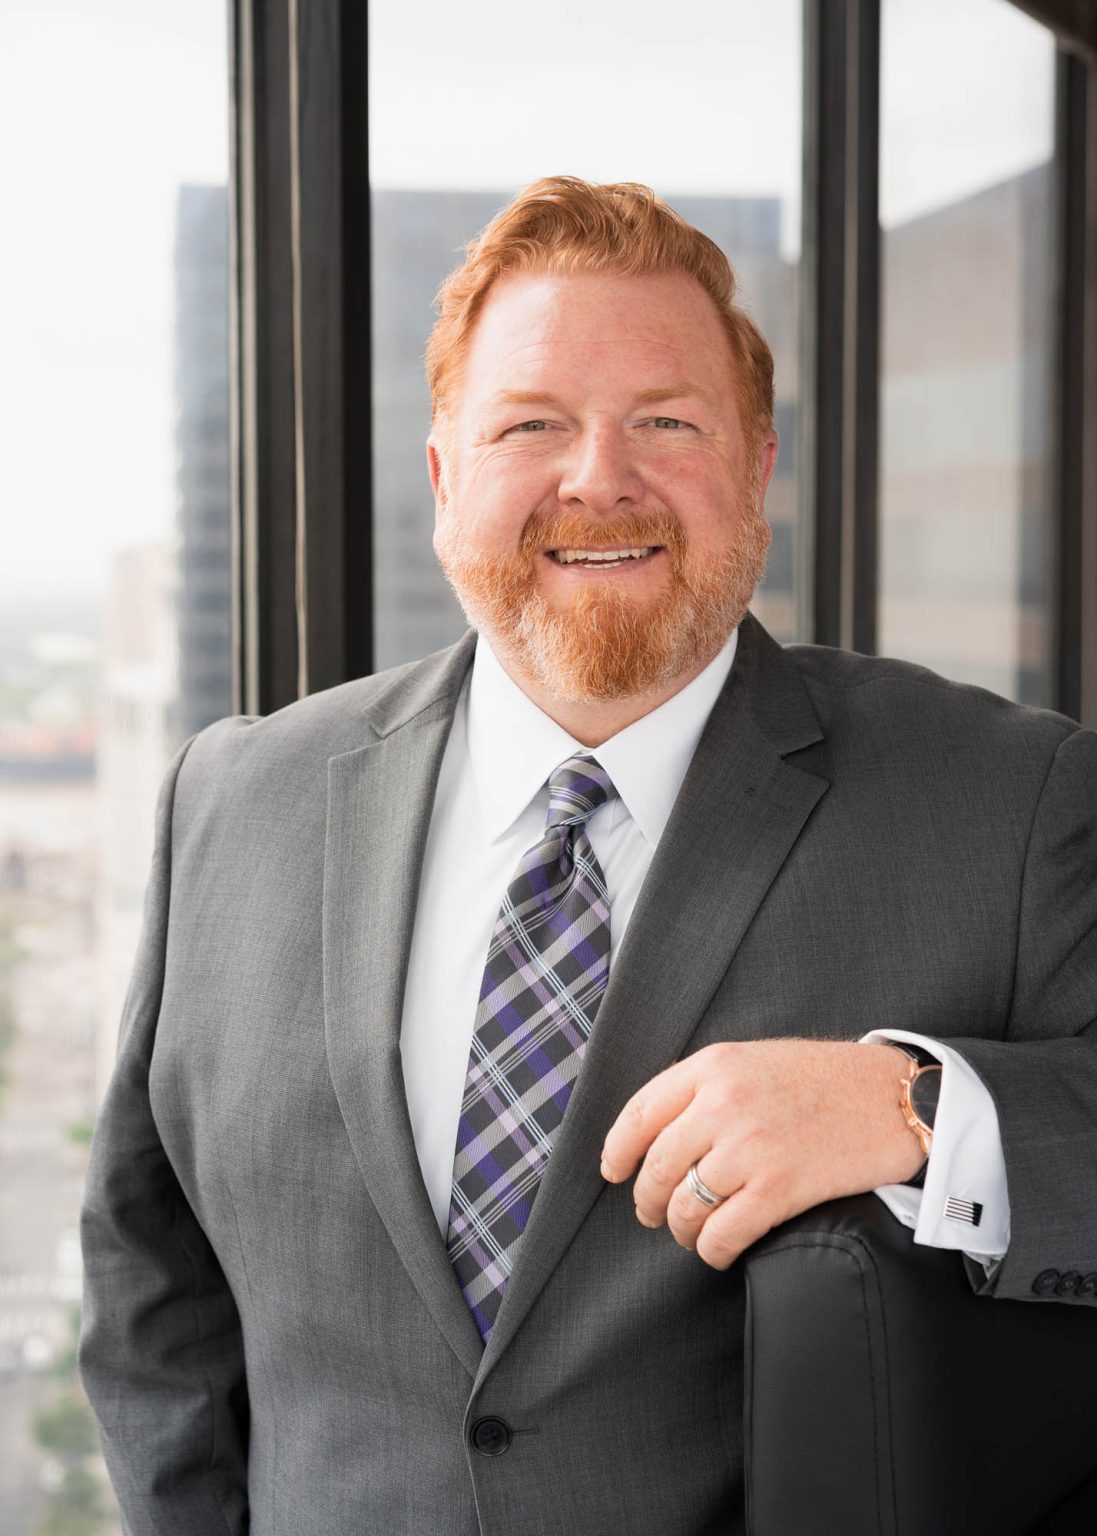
1045	1282
490	1436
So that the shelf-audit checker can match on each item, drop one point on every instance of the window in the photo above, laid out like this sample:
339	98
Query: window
968	257
115	595
707	111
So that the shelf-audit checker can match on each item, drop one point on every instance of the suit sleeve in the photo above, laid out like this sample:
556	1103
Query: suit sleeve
161	1352
964	1202
1043	1075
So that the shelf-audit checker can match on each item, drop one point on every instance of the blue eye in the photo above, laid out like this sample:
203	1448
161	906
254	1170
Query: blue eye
529	426
666	421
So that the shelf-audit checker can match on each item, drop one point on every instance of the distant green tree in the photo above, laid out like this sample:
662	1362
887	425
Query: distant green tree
66	1427
76	1509
66	1365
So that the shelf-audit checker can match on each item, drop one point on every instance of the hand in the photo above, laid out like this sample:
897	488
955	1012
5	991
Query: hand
776	1125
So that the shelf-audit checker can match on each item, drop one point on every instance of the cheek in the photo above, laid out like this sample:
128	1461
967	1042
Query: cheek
704	500
504	494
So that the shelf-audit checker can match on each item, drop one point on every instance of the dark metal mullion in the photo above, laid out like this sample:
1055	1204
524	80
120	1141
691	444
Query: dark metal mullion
1067	394
301	348
1088	486
316	113
262	344
840	335
822	329
862	425
1074	438
358	578
243	606
331	257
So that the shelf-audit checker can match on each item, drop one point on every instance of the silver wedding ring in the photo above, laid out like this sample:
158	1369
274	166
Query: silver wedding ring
699	1188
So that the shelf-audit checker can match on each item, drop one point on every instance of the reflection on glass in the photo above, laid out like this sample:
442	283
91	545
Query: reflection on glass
968	257
458	123
114	619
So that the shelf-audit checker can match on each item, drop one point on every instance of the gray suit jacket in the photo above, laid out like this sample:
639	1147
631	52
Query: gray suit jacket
856	842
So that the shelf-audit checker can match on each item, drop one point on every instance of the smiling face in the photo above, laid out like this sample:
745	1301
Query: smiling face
598	512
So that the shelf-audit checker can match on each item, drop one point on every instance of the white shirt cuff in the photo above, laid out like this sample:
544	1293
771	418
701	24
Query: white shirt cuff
964	1202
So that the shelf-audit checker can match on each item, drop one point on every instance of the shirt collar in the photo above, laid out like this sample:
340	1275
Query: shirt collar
514	746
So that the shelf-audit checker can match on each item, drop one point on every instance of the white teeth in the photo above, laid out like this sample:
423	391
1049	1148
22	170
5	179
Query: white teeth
601	556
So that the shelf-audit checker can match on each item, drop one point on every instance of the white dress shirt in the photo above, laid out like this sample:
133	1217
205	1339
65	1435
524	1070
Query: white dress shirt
490	807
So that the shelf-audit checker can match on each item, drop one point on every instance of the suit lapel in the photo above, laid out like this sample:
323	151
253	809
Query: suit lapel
379	807
737	817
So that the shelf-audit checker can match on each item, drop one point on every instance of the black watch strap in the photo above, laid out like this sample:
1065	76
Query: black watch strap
927	1109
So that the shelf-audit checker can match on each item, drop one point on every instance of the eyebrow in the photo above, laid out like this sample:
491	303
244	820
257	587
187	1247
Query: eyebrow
522	397
682	391
678	391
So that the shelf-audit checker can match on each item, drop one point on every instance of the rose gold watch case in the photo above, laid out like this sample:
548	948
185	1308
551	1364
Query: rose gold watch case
923	1132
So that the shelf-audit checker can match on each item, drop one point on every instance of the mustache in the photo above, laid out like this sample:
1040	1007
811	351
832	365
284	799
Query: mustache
572	530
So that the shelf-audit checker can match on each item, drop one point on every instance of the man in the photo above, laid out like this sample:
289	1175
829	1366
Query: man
459	980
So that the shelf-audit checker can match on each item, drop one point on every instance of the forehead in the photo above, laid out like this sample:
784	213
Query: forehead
551	330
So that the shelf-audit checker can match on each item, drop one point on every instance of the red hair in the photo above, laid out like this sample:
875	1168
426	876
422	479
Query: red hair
562	224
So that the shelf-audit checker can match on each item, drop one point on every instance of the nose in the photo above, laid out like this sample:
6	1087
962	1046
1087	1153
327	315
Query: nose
600	471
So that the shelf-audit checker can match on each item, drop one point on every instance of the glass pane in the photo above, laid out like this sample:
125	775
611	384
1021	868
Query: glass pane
968	264
114	615
706	111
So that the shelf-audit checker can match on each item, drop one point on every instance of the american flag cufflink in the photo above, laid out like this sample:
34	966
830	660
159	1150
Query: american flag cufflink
969	1211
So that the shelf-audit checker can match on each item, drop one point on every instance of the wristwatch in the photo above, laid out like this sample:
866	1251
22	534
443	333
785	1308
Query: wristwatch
921	1090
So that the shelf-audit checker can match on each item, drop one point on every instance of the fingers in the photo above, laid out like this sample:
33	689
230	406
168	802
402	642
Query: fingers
718	1234
660	1190
731	1228
660	1129
774	1125
685	1214
656	1104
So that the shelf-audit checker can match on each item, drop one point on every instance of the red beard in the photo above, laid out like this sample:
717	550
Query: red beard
608	644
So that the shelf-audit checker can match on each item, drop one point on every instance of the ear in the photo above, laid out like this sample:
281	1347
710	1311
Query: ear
437	475
767	463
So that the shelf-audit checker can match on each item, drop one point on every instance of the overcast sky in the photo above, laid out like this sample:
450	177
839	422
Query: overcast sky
106	106
695	96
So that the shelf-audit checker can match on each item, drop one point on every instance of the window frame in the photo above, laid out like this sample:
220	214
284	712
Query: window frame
303	503
300	327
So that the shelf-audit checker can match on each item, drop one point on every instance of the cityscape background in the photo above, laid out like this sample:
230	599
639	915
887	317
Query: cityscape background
115	606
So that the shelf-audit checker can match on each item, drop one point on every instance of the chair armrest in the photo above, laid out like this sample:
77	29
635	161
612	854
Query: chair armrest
883	1397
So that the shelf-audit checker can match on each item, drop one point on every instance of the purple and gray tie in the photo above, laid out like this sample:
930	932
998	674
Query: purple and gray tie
546	971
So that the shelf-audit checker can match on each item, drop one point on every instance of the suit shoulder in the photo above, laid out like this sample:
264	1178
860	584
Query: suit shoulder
297	741
846	686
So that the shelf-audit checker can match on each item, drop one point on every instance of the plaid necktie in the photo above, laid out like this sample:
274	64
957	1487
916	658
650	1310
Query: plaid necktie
546	970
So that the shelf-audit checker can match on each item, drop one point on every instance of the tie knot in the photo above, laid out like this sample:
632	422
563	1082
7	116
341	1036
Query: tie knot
576	789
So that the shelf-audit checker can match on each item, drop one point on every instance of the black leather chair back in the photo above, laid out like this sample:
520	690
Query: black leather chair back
885	1398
